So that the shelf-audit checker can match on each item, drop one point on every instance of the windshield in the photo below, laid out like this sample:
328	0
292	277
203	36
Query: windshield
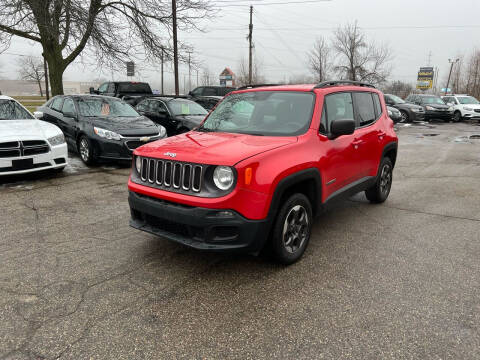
134	88
271	113
104	107
467	100
395	99
432	100
185	107
11	110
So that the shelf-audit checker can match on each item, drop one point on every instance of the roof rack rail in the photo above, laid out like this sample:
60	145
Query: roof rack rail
340	82
169	96
256	85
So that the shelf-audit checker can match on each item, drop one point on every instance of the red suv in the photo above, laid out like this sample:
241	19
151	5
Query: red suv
262	164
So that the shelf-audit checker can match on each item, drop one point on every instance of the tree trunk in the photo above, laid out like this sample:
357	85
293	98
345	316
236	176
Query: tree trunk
40	87
56	68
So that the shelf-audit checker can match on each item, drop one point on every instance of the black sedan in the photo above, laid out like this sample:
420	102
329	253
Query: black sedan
410	112
177	115
394	114
100	127
434	106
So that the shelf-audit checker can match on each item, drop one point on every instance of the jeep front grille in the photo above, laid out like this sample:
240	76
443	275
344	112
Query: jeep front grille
171	175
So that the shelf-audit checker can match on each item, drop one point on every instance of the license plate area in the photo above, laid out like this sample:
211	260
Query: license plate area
22	164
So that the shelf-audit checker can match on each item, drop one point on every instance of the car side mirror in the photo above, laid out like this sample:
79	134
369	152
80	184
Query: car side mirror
190	93
38	115
341	127
92	91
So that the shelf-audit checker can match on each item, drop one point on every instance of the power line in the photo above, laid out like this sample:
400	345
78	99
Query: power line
271	3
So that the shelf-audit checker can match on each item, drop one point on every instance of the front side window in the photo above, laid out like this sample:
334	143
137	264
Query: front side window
143	106
197	91
339	106
365	108
57	104
185	107
270	113
209	92
435	100
103	88
11	110
140	88
395	99
105	107
111	88
468	100
378	105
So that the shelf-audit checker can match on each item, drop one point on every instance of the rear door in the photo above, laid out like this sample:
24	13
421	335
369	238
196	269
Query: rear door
55	111
337	166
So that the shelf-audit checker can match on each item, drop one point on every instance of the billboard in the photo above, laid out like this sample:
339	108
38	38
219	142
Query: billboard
425	78
130	68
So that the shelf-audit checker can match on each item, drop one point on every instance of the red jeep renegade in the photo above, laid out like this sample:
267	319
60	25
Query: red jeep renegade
262	164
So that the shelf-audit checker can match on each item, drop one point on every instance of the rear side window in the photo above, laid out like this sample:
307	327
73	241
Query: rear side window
111	88
209	92
224	91
378	106
57	104
365	108
336	106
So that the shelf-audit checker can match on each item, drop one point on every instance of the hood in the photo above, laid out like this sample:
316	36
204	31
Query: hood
194	119
438	106
27	129
126	126
212	148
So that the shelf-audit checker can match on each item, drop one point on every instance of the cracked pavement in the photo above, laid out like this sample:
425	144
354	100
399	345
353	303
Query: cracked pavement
394	281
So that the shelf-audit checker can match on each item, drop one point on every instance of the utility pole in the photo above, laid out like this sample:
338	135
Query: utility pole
250	30
189	72
175	50
161	59
45	71
452	62
197	77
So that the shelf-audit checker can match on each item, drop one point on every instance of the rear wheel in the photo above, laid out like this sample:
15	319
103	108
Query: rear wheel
86	150
457	116
291	230
379	192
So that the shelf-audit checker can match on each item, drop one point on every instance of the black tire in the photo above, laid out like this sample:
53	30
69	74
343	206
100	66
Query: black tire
405	117
457	116
379	192
291	230
86	150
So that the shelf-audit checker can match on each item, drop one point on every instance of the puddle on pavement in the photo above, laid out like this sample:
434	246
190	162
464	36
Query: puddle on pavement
462	139
431	134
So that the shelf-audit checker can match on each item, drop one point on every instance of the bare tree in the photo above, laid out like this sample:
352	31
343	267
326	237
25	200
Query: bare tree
31	68
242	74
206	78
399	88
359	59
112	31
320	59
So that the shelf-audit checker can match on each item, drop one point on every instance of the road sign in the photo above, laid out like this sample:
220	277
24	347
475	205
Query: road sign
446	90
130	68
425	78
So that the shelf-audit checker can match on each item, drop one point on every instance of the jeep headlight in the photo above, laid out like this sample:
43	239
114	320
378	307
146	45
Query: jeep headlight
138	163
107	134
223	177
56	140
467	108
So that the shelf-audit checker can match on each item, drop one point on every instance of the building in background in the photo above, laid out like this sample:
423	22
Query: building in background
227	78
30	88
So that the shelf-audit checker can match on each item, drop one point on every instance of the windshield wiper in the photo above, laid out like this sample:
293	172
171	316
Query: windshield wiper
203	129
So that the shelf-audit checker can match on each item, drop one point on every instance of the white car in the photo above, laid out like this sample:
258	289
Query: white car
28	144
465	106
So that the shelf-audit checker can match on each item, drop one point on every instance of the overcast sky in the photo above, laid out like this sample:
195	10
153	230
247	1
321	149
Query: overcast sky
283	33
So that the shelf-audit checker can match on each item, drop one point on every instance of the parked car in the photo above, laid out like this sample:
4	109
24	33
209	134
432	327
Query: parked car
394	114
100	127
434	106
409	112
208	102
262	164
28	144
177	115
130	91
210	91
464	107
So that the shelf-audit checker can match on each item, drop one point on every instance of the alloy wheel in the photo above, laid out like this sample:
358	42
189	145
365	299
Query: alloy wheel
84	149
386	179
404	116
295	228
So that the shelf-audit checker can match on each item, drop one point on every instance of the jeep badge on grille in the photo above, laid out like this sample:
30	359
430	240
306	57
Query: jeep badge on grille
170	154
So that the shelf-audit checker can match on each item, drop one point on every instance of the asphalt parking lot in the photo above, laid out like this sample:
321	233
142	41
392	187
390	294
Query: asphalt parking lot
394	281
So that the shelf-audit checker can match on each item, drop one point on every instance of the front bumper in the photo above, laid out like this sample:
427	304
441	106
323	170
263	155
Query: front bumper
56	158
442	115
471	115
121	149
197	227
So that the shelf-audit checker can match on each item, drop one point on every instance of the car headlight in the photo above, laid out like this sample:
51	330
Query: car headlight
416	109
467	108
450	108
162	131
223	177
138	163
56	140
107	134
429	108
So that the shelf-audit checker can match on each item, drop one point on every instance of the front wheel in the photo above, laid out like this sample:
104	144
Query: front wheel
379	192
86	150
292	228
457	116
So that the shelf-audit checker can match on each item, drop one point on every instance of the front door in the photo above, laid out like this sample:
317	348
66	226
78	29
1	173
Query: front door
69	122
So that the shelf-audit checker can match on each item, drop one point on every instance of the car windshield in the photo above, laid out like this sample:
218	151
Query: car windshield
432	100
11	110
271	113
185	107
396	99
104	107
467	100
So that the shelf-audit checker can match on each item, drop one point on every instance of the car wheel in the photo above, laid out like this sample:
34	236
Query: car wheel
292	228
405	117
457	116
86	150
379	192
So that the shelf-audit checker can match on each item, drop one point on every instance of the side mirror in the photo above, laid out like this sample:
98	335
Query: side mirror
190	93
341	127
38	115
92	90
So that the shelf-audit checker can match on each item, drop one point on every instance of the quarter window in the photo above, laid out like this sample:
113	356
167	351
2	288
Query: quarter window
378	106
365	108
57	104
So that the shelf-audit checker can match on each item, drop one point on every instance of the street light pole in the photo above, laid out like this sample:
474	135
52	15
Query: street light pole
175	50
452	62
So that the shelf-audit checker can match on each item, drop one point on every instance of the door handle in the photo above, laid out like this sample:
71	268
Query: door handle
381	134
357	143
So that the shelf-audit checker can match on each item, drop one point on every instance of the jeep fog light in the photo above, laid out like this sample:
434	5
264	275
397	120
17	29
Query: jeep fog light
138	164
223	177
